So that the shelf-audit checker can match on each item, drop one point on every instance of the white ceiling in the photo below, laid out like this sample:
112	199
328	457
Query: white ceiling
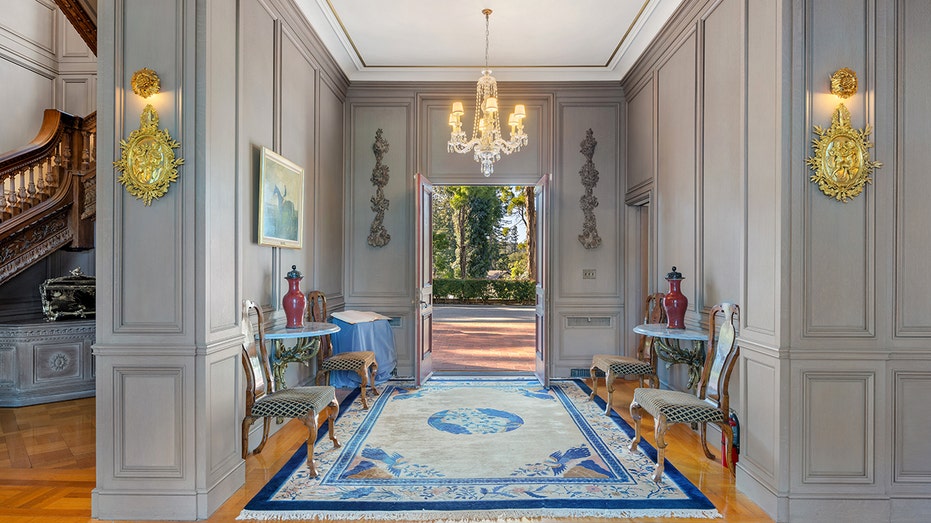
444	40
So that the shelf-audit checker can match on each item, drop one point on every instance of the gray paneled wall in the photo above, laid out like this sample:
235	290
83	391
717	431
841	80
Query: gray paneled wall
835	336
558	116
236	77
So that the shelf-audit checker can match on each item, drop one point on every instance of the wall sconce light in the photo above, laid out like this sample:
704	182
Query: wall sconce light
841	160
147	161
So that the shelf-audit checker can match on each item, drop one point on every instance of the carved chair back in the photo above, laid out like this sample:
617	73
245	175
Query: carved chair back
255	363
721	354
653	312
317	311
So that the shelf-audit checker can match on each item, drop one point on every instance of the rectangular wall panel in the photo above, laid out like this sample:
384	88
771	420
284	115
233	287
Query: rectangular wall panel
838	302
762	167
257	122
721	172
759	428
676	189
912	424
640	136
329	225
913	243
838	411
150	441
381	271
576	120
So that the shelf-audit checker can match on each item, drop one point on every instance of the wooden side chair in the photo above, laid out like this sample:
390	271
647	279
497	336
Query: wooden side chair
643	366
361	362
264	401
710	404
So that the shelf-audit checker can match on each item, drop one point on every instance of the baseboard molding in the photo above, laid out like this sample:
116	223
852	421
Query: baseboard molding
210	501
143	505
760	493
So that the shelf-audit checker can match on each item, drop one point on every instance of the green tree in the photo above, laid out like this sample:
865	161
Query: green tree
444	235
485	211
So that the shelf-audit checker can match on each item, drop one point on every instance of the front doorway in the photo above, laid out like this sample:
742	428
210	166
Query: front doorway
485	300
484	279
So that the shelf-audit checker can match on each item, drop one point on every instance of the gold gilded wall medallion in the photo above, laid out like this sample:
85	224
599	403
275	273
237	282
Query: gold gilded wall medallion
147	161
841	160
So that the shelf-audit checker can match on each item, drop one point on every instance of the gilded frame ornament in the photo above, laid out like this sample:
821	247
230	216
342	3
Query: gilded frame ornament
841	160
281	201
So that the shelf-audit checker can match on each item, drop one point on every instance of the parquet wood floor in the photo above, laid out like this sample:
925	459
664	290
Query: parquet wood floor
47	466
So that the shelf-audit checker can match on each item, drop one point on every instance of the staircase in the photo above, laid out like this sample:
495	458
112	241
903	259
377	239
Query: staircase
48	192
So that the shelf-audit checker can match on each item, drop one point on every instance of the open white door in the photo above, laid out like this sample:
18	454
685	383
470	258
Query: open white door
540	202
423	353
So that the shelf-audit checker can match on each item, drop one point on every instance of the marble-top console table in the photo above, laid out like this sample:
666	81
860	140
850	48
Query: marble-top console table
42	362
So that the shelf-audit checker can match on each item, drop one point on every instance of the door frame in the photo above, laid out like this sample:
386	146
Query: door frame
542	324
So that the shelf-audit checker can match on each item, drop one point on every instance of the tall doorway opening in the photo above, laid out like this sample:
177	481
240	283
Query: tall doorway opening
484	279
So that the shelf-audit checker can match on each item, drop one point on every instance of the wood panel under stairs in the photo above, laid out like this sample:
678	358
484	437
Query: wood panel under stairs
48	192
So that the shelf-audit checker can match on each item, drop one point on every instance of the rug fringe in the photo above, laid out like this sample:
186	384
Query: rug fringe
497	516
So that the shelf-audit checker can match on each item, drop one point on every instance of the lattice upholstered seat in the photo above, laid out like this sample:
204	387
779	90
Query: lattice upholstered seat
362	363
710	405
263	401
644	365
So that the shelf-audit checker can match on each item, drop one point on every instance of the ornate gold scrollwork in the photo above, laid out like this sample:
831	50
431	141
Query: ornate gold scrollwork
841	160
147	161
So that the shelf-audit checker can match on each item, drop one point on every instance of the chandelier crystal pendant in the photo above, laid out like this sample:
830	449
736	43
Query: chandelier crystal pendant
487	141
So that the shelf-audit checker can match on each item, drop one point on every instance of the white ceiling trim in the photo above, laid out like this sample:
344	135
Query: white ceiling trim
417	47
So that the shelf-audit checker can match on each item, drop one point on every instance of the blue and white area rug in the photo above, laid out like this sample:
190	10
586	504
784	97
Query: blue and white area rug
472	450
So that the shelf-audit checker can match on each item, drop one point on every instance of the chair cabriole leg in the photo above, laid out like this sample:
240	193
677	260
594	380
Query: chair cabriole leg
661	426
703	430
266	426
635	413
372	383
728	445
609	385
593	373
246	424
332	413
310	420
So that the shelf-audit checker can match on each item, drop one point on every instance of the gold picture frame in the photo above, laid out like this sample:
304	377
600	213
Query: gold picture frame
281	201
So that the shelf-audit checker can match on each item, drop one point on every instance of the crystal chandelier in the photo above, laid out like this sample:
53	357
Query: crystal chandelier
487	141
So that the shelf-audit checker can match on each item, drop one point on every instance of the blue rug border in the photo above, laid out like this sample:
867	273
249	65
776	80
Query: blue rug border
695	499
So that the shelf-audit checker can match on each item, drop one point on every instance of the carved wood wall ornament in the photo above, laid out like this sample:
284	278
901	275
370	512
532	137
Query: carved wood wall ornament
378	235
589	237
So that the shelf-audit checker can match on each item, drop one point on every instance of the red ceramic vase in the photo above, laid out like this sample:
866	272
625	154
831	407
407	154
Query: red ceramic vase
294	302
675	302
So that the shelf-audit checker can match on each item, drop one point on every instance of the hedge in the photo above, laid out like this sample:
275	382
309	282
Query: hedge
521	292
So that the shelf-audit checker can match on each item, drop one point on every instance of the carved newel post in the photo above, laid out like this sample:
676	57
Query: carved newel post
294	301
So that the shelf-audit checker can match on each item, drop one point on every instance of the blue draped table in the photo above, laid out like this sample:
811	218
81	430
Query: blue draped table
375	336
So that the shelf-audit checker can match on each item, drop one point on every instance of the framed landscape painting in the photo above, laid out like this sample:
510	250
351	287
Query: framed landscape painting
281	201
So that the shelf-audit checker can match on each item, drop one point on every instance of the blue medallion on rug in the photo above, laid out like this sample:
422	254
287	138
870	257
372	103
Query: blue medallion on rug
461	450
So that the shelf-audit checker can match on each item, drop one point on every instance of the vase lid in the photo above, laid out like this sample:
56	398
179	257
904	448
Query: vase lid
294	273
674	275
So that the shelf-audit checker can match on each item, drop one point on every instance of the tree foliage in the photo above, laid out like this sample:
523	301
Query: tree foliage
471	237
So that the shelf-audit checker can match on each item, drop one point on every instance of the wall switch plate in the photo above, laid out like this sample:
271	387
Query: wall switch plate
588	274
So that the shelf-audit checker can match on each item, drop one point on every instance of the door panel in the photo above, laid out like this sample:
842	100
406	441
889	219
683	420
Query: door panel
540	202
423	356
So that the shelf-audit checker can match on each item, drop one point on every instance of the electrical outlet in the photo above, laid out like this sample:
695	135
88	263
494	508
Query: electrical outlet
588	274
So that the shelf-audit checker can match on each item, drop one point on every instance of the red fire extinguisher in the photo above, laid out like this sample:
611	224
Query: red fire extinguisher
735	445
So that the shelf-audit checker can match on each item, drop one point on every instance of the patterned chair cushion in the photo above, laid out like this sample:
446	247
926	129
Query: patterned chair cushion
348	361
621	365
295	402
678	407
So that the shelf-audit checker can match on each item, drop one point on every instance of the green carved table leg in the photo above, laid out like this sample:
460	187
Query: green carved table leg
670	352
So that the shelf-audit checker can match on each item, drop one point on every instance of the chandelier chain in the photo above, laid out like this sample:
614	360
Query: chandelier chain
487	16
